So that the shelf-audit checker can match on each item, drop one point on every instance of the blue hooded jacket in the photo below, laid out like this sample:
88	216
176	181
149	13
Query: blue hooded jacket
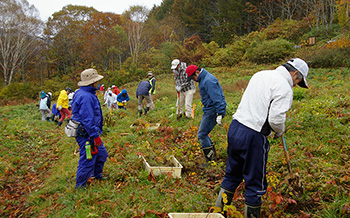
121	98
54	110
212	95
86	109
143	88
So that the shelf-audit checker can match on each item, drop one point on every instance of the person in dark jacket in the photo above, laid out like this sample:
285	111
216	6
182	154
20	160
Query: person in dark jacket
44	106
142	92
86	109
214	107
122	98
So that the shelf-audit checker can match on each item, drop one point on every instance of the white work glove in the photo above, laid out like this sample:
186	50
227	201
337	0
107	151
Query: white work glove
278	135
218	120
60	107
178	88
124	101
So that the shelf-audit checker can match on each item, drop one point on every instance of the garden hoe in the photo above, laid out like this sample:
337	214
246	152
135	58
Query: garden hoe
178	105
292	179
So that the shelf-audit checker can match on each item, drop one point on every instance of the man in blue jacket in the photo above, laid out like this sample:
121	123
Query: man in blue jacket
86	109
142	92
214	107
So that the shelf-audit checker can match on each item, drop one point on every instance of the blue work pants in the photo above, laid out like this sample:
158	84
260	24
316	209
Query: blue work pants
208	123
89	168
247	157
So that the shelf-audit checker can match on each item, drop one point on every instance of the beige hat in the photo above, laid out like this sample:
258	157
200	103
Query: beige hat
88	77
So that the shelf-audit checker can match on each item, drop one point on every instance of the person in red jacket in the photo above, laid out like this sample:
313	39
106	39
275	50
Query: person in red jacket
115	90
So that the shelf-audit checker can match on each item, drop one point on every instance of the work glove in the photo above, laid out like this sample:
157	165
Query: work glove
178	88
124	101
218	120
98	141
60	107
278	135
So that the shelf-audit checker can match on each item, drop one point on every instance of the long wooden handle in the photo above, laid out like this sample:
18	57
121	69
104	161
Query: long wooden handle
178	104
286	154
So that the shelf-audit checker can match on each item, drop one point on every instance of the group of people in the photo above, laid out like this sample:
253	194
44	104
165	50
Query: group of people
261	112
115	99
146	89
59	110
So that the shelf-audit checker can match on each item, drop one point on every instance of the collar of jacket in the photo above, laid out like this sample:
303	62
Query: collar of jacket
89	89
285	73
202	74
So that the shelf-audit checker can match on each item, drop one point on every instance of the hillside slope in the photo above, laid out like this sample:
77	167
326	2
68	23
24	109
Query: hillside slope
38	162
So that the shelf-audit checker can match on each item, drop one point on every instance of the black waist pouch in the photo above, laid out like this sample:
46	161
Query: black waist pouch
81	131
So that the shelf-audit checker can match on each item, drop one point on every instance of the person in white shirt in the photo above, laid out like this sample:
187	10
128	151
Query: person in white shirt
111	100
262	110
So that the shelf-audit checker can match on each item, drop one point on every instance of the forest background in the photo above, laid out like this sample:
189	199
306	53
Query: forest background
37	55
233	40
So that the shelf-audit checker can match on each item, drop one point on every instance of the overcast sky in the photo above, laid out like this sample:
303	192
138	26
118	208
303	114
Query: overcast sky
48	7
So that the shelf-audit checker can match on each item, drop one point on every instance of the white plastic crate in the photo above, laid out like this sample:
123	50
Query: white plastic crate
149	126
175	171
195	215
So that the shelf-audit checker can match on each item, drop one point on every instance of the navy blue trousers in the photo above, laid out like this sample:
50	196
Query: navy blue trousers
89	168
247	157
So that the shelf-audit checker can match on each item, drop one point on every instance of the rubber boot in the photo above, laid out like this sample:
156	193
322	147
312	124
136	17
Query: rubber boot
140	113
224	196
146	110
252	211
48	119
216	158
210	154
59	124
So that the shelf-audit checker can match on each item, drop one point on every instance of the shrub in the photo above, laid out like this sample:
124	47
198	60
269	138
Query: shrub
328	58
19	91
269	51
229	56
290	30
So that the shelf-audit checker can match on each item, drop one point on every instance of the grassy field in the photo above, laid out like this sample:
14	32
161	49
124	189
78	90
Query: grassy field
38	162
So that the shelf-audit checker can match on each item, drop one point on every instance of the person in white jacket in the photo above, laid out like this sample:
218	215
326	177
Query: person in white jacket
106	94
111	100
262	110
44	107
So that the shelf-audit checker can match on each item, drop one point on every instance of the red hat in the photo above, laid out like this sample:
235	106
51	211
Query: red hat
190	71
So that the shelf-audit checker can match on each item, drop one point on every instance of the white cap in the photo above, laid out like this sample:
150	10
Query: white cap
302	67
174	64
